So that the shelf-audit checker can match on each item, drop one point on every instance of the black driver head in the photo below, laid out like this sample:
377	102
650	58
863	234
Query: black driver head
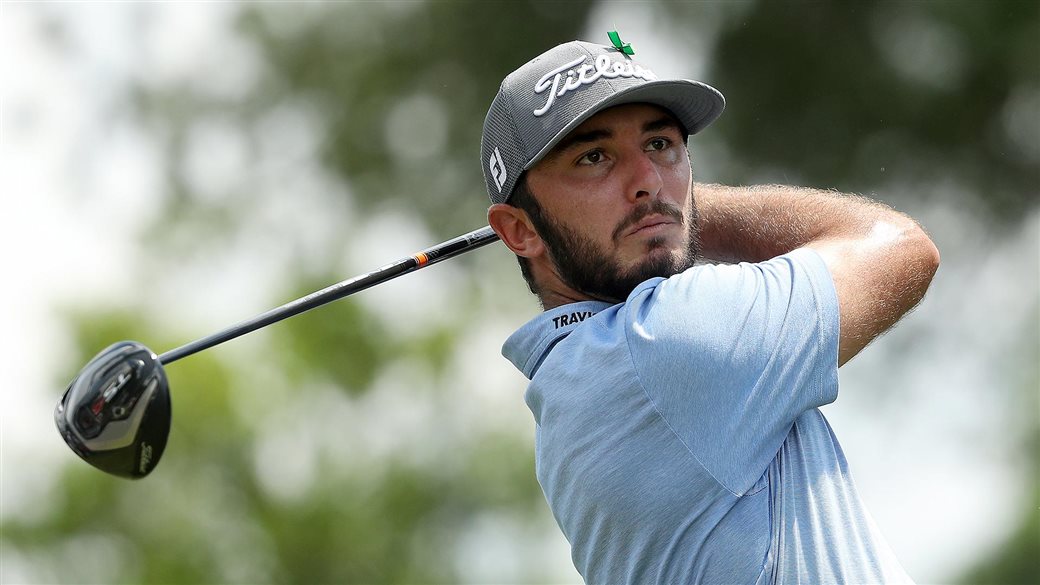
116	413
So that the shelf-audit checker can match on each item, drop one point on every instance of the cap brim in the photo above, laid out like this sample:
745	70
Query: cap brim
695	104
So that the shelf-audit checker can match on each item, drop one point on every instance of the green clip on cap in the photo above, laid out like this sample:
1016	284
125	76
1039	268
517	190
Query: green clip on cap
625	48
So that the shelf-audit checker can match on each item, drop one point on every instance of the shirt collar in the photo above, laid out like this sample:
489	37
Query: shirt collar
528	346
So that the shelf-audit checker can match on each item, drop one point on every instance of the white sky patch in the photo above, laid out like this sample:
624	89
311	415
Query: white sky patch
216	158
488	383
417	127
285	458
288	137
189	43
496	544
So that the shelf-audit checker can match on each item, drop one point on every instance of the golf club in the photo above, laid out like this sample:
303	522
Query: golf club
115	414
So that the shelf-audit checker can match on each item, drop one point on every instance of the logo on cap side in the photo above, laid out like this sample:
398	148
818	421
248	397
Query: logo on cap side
497	168
585	75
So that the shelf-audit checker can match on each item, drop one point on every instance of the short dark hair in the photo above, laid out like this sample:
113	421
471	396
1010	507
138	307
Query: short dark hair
523	199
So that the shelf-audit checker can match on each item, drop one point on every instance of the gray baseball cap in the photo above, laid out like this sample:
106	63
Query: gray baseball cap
541	102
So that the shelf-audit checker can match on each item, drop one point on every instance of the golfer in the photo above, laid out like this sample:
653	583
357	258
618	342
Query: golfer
690	332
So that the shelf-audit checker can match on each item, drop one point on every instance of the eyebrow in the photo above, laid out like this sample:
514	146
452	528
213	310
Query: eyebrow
581	138
602	133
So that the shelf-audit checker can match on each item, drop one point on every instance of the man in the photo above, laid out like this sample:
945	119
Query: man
676	401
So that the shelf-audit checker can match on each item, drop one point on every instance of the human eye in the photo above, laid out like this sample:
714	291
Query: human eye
658	143
592	157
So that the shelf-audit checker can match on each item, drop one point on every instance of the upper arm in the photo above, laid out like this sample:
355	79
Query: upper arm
878	277
731	356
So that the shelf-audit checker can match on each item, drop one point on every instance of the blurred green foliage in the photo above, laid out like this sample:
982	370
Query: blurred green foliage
357	62
809	87
342	342
854	95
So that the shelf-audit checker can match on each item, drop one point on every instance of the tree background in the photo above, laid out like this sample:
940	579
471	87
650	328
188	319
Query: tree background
171	168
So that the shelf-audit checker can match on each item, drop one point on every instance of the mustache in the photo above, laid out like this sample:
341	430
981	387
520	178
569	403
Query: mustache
654	207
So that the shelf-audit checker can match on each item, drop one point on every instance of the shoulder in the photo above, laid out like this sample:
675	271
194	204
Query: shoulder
721	306
802	270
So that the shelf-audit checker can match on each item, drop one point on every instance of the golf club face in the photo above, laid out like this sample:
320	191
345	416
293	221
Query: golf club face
116	413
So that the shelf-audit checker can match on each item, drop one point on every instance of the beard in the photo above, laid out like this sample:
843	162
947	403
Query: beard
586	267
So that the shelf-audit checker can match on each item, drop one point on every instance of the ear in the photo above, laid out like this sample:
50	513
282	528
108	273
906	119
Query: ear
515	229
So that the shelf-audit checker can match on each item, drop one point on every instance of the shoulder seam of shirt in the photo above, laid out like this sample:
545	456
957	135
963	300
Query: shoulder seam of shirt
668	424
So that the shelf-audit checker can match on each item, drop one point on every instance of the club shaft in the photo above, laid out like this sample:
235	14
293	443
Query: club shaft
432	255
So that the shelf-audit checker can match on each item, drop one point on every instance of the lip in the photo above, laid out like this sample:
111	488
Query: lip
649	224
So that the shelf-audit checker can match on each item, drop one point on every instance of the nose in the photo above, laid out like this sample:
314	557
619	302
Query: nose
645	181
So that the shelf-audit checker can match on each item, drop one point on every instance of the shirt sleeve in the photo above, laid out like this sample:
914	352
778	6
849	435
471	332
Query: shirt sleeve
731	355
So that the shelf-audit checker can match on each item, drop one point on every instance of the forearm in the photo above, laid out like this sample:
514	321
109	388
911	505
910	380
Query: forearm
761	222
881	261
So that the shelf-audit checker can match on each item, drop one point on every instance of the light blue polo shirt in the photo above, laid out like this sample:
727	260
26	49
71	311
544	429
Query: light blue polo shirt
678	438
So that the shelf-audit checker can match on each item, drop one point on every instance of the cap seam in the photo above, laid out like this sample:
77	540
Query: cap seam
522	147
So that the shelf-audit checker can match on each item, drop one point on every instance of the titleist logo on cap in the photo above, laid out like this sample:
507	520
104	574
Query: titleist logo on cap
585	75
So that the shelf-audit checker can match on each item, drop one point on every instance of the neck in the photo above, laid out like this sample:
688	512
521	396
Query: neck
554	292
553	299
